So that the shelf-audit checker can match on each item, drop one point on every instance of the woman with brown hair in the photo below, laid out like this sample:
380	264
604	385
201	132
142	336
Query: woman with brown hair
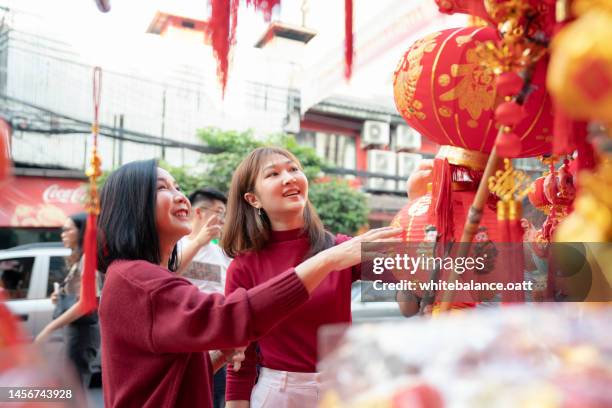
271	227
160	332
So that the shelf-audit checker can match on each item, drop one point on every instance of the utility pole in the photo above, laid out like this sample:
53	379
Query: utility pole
163	124
121	139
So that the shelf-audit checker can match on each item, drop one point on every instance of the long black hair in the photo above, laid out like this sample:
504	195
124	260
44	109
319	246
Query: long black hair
80	221
126	225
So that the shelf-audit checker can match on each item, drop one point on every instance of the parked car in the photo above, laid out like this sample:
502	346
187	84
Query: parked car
27	274
372	311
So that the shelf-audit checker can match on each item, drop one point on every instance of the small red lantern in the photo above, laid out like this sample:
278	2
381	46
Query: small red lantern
444	92
537	197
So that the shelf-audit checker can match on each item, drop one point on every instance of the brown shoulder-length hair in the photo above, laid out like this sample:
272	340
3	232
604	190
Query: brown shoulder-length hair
246	230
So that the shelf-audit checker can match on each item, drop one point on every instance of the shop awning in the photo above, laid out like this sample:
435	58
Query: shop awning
40	201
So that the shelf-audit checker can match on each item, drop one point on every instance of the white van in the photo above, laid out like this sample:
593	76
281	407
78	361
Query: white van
27	273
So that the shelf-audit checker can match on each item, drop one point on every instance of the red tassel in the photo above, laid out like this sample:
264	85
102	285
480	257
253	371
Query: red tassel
441	214
222	34
88	277
264	6
348	41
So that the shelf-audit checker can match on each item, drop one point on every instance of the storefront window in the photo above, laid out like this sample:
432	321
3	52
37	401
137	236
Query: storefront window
337	149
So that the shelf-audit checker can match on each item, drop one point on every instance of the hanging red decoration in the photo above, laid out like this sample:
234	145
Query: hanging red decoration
536	196
222	32
509	84
88	299
508	145
509	113
348	40
444	92
541	13
474	8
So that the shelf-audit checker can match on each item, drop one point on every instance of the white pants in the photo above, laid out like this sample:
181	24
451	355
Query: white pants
285	389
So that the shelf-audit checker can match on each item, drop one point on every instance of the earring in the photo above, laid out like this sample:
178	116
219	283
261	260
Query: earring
259	211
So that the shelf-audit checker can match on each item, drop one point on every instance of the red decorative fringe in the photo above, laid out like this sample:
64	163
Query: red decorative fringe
88	277
442	213
222	30
348	40
264	6
222	34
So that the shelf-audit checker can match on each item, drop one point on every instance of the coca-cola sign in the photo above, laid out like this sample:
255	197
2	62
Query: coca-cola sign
56	194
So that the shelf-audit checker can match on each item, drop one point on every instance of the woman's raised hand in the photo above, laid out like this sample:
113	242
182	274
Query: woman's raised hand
349	253
313	270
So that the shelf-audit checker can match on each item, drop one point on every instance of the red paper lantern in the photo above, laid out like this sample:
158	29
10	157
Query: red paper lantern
415	222
537	197
444	92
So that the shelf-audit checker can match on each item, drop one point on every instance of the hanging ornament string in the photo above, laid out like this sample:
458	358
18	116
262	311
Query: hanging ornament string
515	52
348	39
88	300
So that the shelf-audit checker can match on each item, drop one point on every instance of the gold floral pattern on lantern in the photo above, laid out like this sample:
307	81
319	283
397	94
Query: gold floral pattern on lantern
444	80
411	63
445	111
476	91
463	39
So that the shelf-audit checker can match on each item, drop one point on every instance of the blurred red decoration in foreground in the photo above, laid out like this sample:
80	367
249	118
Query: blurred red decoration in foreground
5	166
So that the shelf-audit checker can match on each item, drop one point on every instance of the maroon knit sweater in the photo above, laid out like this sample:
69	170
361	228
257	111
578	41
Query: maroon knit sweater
156	328
292	344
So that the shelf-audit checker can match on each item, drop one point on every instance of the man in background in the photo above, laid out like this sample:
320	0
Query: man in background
202	261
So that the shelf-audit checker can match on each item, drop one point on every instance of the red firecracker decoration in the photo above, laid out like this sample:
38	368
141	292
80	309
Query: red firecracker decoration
444	92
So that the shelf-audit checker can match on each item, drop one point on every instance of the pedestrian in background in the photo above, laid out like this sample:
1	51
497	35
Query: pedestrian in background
82	330
202	261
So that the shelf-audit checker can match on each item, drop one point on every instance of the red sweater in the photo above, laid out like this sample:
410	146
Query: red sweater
156	327
292	344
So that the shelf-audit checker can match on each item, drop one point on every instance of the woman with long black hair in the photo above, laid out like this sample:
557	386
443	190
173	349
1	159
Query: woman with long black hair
157	328
82	331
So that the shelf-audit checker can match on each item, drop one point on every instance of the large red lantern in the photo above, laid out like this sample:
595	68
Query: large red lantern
443	91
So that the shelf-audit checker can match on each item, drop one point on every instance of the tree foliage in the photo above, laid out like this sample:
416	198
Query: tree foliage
234	146
341	208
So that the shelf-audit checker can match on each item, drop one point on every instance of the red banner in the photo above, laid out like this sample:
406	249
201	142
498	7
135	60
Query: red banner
40	201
